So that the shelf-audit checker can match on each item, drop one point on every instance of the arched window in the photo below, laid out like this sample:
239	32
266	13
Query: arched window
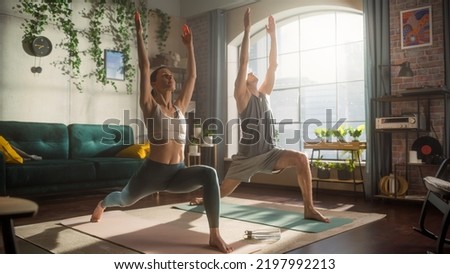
320	75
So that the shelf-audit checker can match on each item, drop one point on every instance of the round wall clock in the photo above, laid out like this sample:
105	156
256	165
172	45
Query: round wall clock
41	46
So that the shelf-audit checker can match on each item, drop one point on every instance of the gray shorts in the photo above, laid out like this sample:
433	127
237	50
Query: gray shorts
243	168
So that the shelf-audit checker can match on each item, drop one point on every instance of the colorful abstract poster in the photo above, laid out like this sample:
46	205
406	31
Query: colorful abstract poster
416	27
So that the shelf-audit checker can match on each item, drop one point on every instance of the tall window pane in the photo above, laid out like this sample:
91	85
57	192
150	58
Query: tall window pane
351	103
289	135
258	67
318	66
320	75
288	74
288	36
318	104
285	104
354	67
349	27
317	30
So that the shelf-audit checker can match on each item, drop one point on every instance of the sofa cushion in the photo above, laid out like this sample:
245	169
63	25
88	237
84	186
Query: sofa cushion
49	140
112	168
140	151
10	154
48	172
87	140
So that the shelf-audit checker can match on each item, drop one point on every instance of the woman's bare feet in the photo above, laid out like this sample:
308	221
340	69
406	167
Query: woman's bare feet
313	214
98	212
196	201
216	241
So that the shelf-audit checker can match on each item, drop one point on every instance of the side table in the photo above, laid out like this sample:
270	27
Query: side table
11	208
208	155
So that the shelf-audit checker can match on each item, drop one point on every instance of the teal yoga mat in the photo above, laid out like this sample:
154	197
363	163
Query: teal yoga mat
271	217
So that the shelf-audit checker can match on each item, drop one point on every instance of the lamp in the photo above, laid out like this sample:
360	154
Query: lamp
405	70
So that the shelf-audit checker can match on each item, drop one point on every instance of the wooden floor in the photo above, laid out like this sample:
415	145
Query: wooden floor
391	235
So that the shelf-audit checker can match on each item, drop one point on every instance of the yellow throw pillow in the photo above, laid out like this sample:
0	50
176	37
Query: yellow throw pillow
135	151
11	156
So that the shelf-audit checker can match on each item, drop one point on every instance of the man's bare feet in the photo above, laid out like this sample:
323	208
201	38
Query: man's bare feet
98	212
216	241
313	214
196	201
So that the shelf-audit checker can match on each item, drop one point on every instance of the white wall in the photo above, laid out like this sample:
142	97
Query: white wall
50	96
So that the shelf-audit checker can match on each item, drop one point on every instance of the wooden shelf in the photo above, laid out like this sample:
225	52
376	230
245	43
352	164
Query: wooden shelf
350	181
422	97
415	94
419	198
355	147
401	130
336	146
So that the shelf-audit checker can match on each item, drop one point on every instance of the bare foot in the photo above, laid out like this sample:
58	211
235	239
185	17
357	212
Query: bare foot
98	212
313	214
216	241
196	201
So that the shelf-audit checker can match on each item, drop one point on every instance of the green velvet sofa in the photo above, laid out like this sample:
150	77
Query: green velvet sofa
74	157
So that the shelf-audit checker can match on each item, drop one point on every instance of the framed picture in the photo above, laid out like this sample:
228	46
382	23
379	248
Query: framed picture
114	65
416	27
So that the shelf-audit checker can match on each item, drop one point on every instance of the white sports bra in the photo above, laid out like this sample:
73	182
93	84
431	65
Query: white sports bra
162	128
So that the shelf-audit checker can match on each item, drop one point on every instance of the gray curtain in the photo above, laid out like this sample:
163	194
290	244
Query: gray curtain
218	61
446	13
376	20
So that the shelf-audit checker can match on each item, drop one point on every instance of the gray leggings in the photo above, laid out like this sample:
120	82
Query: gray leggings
175	178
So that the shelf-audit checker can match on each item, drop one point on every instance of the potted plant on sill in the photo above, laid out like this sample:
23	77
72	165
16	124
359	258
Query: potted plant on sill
340	133
355	133
323	168
345	170
323	134
193	145
208	136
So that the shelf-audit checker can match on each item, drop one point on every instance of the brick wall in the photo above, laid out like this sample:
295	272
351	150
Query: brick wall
201	33
428	65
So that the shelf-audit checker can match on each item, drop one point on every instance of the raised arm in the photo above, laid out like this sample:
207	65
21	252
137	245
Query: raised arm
241	93
269	80
191	71
146	100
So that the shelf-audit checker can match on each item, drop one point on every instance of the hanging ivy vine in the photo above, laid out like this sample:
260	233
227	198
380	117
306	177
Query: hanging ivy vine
162	33
144	19
39	19
120	17
122	29
59	13
95	16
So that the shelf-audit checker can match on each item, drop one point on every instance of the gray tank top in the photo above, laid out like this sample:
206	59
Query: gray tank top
162	128
257	127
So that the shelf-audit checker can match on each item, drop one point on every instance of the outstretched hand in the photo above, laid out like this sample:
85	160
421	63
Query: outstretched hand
137	21
270	27
186	35
247	20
